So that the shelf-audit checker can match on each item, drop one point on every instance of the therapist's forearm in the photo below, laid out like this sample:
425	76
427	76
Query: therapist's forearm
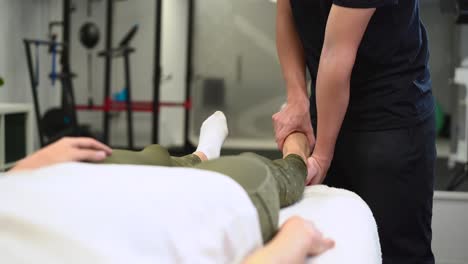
339	52
290	53
333	89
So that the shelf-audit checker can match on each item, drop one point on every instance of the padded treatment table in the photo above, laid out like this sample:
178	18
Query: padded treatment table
343	216
147	214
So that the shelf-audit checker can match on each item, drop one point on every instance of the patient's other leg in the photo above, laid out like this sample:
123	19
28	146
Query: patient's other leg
213	132
153	155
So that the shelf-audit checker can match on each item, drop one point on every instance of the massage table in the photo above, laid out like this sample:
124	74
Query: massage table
84	213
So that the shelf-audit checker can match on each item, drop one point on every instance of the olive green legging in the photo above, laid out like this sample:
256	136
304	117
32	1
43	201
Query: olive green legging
271	185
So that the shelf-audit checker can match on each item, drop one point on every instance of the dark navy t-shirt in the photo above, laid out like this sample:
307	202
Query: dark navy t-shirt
390	82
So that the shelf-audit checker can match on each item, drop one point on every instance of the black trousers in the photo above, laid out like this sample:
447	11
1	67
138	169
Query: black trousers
393	171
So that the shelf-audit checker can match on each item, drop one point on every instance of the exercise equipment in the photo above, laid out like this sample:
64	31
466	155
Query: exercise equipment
61	121
89	35
123	50
54	50
37	64
89	38
108	105
56	122
120	96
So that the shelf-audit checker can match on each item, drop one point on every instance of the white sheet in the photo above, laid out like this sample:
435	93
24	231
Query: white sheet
83	213
343	216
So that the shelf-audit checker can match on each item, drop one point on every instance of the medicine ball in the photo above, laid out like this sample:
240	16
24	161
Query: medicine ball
89	35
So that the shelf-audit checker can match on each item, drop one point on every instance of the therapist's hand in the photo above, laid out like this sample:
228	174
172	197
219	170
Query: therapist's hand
65	150
317	168
294	117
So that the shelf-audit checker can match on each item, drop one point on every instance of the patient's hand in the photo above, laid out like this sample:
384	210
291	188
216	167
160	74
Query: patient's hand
65	150
300	234
296	240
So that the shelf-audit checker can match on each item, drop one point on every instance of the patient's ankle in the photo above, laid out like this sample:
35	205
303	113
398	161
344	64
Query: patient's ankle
296	143
201	155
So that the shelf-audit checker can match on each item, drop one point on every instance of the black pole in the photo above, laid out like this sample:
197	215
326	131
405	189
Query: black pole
66	29
68	96
188	80
34	92
128	99
70	103
108	68
65	56
157	70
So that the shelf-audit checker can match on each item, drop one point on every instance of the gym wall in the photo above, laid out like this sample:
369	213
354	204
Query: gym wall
237	70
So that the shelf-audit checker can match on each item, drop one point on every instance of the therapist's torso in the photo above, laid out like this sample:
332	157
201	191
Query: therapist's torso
390	83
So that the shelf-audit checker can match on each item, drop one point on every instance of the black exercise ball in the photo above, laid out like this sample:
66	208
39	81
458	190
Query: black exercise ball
54	122
89	35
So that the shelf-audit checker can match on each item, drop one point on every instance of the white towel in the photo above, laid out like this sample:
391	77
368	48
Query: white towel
344	217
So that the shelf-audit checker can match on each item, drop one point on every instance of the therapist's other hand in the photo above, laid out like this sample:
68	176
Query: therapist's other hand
294	117
316	170
65	150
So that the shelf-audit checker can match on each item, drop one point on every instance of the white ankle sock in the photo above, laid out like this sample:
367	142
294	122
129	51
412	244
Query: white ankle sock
213	132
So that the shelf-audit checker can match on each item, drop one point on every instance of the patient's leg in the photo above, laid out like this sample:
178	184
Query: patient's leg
213	132
269	184
290	172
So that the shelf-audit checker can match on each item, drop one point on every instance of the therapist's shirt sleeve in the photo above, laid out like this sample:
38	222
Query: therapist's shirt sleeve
365	3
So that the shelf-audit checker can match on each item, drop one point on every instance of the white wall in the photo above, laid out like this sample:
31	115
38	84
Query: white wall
18	20
442	35
234	43
174	61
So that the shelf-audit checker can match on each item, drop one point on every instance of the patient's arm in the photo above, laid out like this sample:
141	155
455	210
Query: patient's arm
296	240
65	150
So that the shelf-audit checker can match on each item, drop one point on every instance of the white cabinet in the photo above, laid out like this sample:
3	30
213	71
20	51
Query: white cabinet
16	135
